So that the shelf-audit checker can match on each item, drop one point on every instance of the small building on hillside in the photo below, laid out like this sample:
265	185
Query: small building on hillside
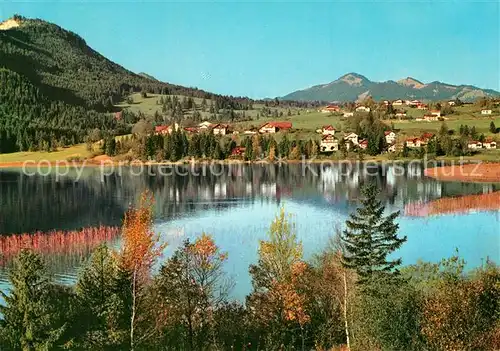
328	130
205	125
436	113
238	151
162	130
220	129
191	130
473	145
422	106
413	142
348	114
352	137
451	102
430	118
273	127
489	144
486	112
330	108
251	131
397	103
328	143
390	137
362	109
363	144
400	114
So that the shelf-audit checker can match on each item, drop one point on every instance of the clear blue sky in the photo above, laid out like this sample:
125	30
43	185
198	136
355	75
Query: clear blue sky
266	50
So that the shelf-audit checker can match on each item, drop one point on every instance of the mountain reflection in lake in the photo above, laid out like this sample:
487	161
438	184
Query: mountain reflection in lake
238	202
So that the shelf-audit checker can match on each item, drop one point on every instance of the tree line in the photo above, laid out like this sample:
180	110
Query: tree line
354	294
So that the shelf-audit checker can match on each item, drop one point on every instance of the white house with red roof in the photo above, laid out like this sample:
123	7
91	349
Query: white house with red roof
328	143
363	109
474	144
220	129
205	125
489	144
330	108
352	137
390	137
328	130
273	127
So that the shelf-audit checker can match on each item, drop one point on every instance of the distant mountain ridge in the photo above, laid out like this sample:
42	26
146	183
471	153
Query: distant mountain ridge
354	86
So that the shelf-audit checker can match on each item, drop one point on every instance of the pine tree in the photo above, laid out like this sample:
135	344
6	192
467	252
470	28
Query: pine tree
35	313
370	238
103	318
493	128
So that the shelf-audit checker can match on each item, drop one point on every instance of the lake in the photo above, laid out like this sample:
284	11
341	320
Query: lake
236	204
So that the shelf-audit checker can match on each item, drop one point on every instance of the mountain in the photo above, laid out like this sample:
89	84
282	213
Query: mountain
353	86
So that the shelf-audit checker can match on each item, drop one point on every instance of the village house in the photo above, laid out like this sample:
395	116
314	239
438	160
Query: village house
390	137
191	130
422	106
251	131
426	137
363	144
273	127
220	129
205	125
352	137
238	151
489	144
348	114
387	102
362	109
419	142
328	143
413	142
436	113
486	112
473	145
328	130
163	130
413	103
330	108
430	118
397	103
392	148
400	114
451	102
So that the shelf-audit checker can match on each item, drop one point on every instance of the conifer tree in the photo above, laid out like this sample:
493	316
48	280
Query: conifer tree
35	313
370	238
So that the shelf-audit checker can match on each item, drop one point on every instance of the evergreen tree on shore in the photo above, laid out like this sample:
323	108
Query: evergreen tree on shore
370	238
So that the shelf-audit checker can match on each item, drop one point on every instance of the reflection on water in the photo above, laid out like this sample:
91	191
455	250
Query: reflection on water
237	203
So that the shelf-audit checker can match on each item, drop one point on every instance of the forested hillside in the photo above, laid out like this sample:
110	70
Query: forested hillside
55	88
